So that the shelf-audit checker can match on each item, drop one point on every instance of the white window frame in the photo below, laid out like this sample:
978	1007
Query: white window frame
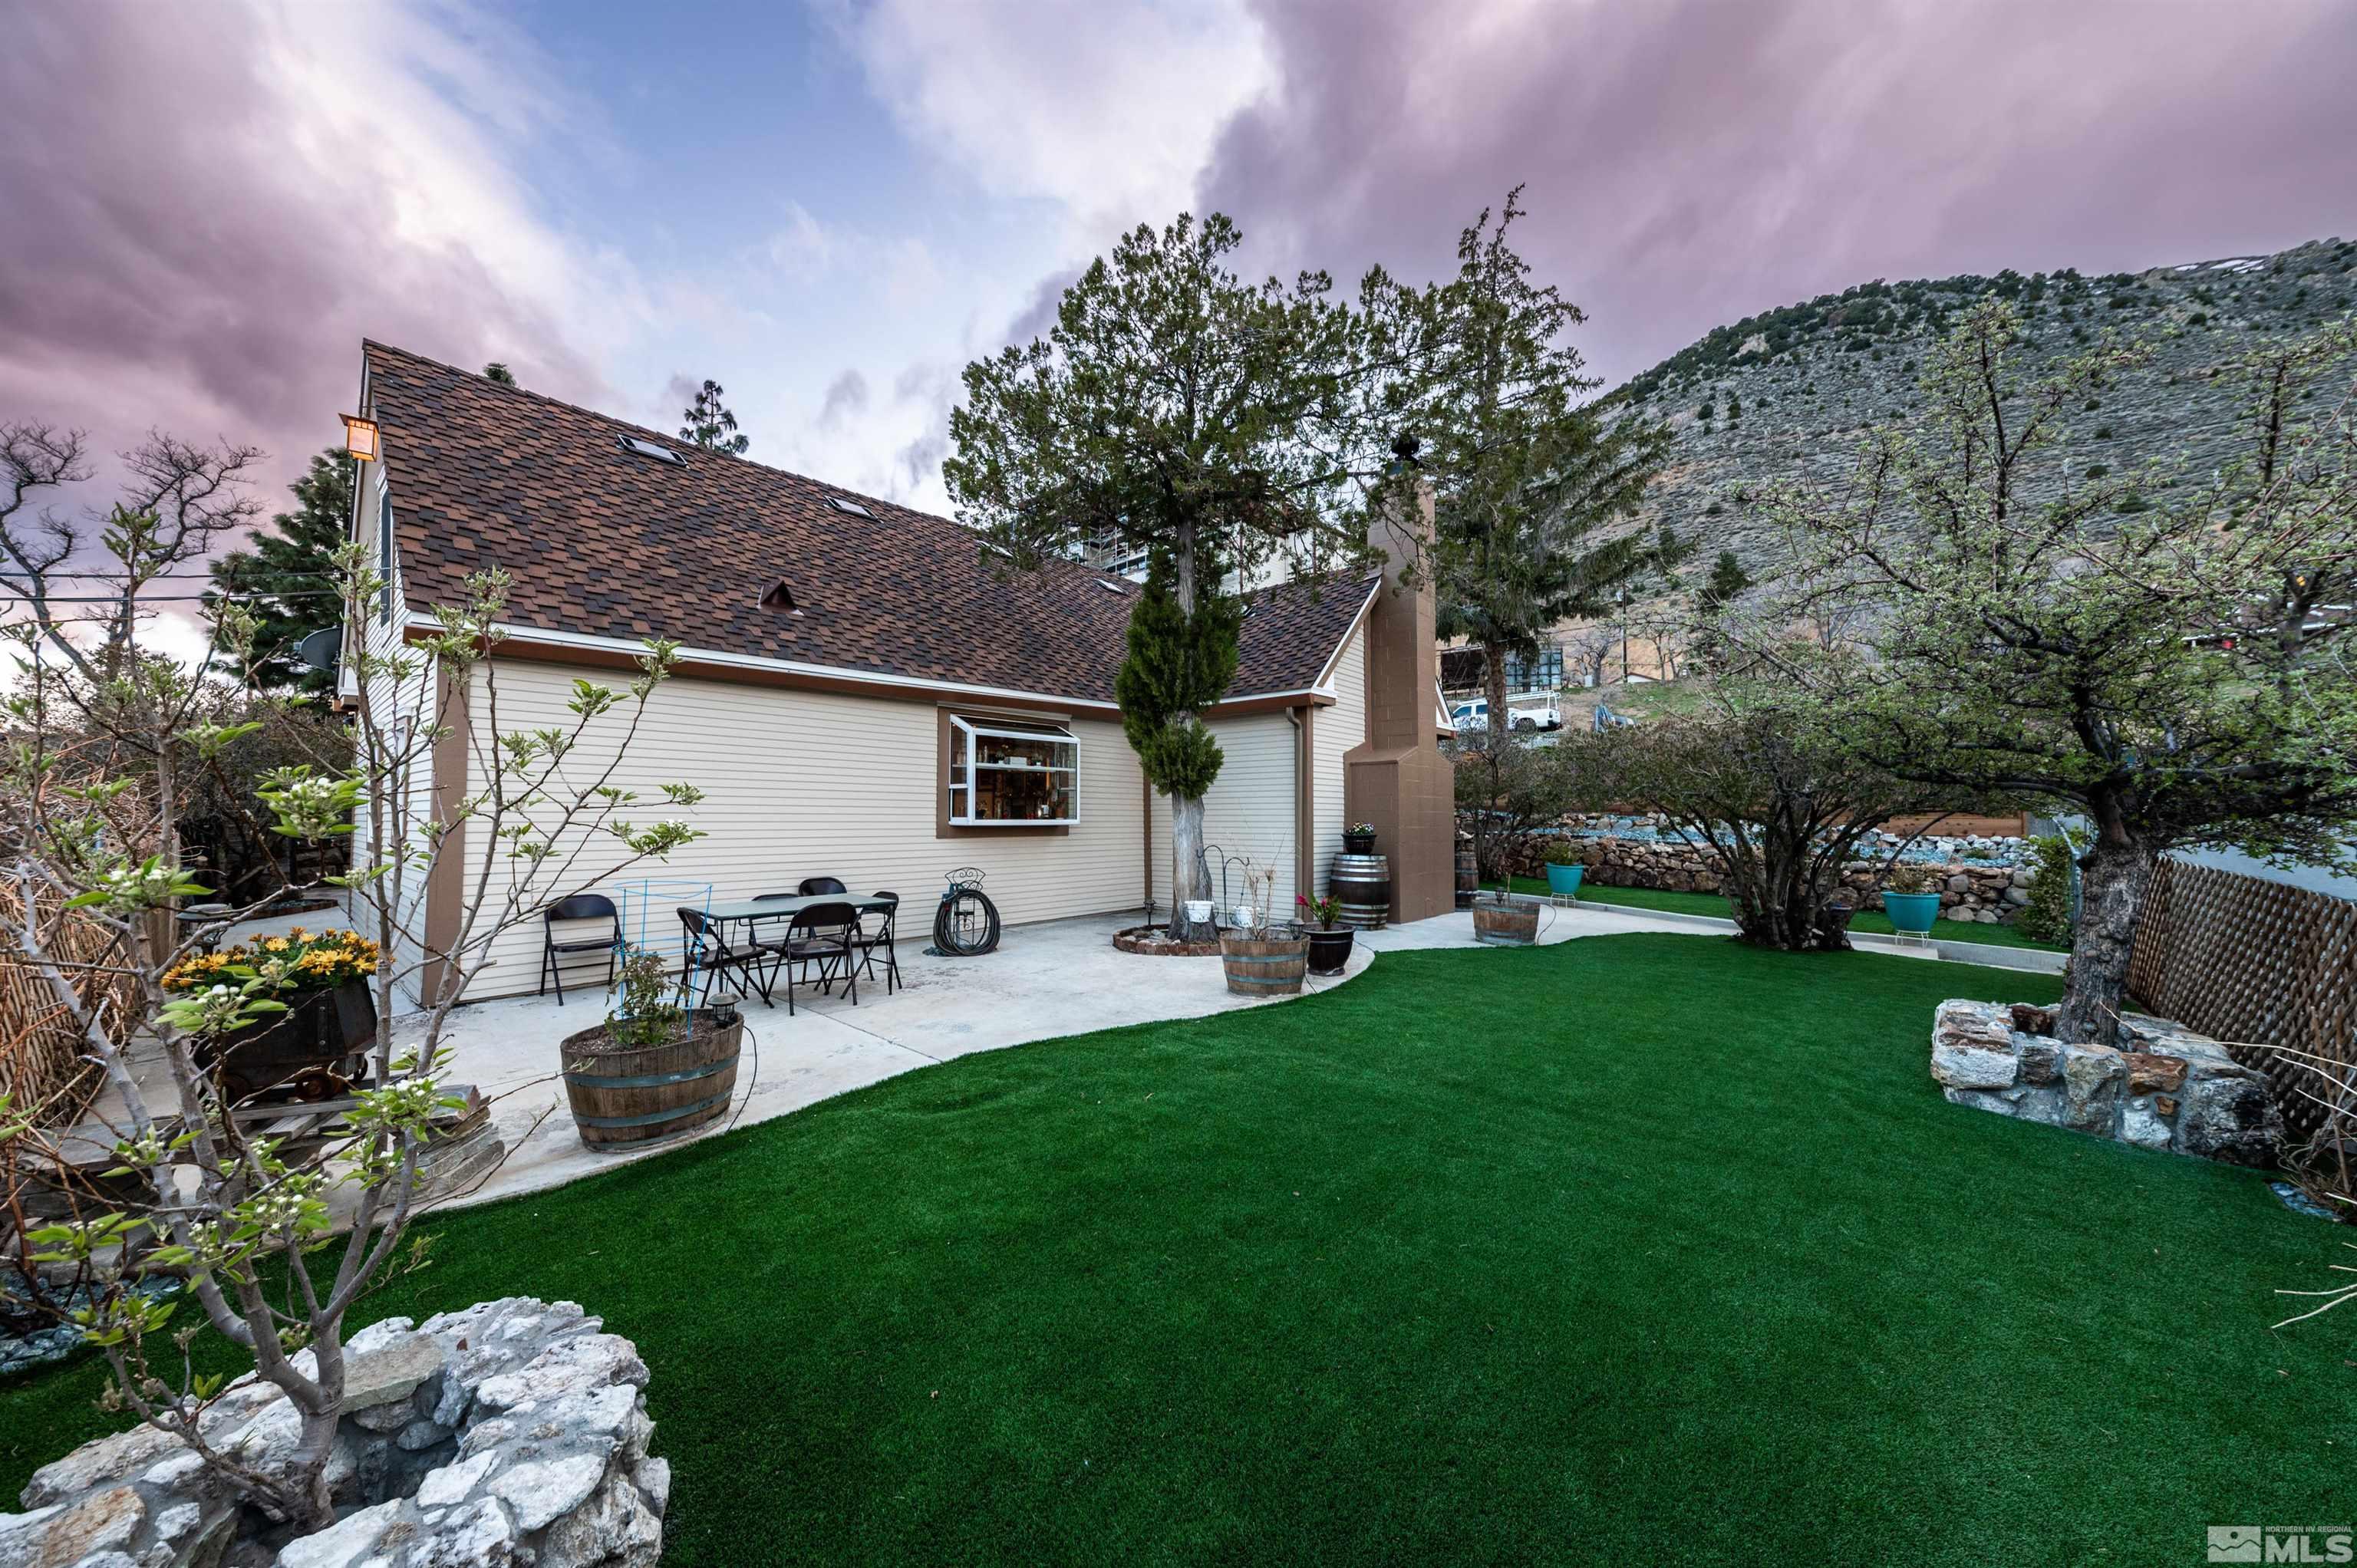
960	786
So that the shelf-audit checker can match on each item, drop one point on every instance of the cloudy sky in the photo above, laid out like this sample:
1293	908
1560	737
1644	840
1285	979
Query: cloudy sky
831	207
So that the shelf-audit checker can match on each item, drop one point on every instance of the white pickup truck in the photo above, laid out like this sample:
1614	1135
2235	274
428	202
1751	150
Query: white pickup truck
1474	715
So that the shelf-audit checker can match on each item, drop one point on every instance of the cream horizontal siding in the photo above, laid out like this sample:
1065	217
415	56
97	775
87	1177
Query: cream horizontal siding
1333	733
811	784
1250	811
403	711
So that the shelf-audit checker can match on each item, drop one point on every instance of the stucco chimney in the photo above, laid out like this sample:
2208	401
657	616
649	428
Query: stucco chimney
1398	780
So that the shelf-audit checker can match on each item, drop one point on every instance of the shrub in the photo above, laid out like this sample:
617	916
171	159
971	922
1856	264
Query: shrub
1911	878
1563	852
2047	917
647	1015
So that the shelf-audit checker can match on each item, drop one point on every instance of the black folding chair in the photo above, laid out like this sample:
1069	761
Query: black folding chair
867	939
821	935
812	886
711	953
554	955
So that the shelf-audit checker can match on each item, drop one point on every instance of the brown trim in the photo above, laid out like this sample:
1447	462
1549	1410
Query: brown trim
1276	701
522	646
445	880
945	829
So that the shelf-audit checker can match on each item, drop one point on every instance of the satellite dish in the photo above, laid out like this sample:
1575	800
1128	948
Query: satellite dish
321	650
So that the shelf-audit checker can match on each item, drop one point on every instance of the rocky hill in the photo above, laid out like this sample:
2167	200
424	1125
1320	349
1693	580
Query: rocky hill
1787	392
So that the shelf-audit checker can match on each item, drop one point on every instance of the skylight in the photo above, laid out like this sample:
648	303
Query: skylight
654	449
853	507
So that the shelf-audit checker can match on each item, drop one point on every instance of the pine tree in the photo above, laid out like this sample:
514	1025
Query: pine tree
710	424
288	579
498	372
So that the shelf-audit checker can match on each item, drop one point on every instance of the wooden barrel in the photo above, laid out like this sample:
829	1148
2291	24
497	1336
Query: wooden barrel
1363	884
1514	925
1468	871
659	1091
1264	966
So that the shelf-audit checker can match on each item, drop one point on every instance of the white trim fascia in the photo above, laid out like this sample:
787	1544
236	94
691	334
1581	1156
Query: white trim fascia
1325	686
525	634
510	632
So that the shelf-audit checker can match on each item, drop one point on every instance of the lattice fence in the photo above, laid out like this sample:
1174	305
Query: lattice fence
42	1065
2255	964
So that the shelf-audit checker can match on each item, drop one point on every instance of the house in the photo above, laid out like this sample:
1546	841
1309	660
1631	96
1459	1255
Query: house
850	668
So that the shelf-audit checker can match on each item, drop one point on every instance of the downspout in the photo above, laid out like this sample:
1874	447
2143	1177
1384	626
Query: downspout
1304	849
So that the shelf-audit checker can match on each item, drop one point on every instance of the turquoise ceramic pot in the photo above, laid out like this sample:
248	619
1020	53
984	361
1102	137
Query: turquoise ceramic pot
1564	879
1912	912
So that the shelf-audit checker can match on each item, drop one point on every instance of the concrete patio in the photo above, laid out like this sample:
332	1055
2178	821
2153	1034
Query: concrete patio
1062	977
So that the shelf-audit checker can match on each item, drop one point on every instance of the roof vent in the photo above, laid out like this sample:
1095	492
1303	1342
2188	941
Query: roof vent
853	507
779	597
655	450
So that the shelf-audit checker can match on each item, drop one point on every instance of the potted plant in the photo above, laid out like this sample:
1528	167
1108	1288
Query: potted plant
1563	869
1502	920
1910	897
1359	838
323	1018
653	1068
1330	942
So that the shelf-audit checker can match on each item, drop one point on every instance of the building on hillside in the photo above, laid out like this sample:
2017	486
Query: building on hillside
851	671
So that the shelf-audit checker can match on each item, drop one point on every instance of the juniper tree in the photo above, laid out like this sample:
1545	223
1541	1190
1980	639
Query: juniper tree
1174	406
287	579
2157	670
710	424
1527	478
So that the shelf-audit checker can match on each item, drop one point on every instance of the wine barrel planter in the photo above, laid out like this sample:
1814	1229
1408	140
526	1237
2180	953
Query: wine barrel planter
314	1050
626	1097
1468	871
1330	951
1505	925
1264	966
1363	884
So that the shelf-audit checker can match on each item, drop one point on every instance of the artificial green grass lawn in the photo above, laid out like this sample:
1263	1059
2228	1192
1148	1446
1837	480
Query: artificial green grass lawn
1645	1249
1714	904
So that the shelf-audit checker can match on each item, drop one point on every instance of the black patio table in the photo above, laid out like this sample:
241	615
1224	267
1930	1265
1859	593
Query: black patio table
752	912
752	909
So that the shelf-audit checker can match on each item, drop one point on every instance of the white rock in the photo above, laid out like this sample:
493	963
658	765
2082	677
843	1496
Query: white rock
379	1334
483	1537
653	1477
178	1521
541	1490
451	1483
2140	1124
180	1468
343	1543
108	1459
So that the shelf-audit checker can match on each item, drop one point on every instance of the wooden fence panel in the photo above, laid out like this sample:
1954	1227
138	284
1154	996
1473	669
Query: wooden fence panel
2256	965
42	1065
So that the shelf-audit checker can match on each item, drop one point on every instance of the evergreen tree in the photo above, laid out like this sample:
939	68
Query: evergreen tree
1727	581
1176	406
287	579
1526	477
498	372
710	424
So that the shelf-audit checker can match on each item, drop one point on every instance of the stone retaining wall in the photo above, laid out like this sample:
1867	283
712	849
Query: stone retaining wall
1989	894
2175	1091
513	1433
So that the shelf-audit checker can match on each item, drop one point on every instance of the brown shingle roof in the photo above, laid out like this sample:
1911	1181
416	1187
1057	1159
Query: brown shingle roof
602	543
